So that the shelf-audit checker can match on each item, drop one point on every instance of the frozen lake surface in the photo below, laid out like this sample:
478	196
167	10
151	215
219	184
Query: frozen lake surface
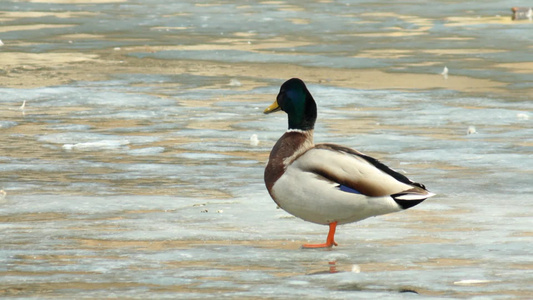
129	170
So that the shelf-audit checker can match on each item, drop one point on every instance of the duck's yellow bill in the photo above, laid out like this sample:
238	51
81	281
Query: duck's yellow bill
274	107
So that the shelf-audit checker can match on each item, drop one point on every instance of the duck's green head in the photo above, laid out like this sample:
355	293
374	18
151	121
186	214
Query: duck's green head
297	102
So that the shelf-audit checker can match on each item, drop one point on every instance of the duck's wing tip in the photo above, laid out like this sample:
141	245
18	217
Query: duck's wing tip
409	199
412	196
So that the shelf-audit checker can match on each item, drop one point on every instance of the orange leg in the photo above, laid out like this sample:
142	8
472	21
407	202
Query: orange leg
330	241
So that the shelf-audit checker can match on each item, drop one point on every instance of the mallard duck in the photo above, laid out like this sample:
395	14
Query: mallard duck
329	184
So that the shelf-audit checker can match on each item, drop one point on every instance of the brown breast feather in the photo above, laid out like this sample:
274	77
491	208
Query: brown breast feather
289	146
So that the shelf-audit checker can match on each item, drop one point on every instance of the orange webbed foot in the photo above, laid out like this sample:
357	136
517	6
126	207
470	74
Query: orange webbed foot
330	241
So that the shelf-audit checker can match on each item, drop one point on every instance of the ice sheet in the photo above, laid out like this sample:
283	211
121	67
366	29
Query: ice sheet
144	184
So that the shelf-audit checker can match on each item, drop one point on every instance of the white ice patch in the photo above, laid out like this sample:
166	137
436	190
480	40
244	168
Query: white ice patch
146	151
98	145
